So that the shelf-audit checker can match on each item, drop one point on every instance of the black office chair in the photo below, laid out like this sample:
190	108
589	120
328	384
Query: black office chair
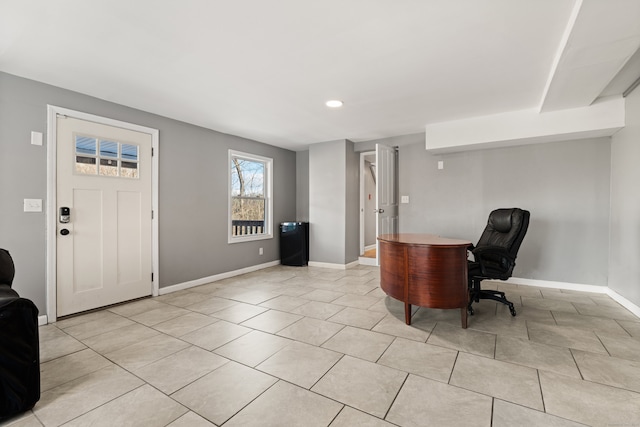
495	254
19	346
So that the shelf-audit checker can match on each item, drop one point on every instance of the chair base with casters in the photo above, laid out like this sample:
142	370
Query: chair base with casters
476	294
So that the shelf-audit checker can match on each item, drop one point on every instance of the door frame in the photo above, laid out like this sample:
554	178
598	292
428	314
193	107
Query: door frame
363	155
51	215
381	183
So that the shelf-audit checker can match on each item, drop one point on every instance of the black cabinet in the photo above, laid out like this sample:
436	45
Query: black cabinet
294	243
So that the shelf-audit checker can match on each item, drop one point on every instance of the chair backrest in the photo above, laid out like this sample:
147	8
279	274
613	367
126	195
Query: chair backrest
7	269
505	228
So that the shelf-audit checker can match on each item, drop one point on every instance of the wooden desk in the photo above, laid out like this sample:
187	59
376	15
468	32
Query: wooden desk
425	270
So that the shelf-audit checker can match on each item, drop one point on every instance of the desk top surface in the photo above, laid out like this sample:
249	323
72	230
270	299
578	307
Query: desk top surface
422	239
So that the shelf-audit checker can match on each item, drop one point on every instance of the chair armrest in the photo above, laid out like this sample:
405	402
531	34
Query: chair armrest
494	260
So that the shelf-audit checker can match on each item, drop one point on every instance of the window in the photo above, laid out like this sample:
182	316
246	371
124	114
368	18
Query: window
250	204
95	156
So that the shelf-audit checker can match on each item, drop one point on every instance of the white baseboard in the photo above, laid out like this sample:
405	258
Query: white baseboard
332	265
624	302
215	278
558	285
352	264
368	248
633	308
367	261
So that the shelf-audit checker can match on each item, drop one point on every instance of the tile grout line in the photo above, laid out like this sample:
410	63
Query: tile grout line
396	395
544	407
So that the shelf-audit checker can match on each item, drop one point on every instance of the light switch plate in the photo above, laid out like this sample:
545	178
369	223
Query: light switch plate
404	199
440	164
33	205
36	138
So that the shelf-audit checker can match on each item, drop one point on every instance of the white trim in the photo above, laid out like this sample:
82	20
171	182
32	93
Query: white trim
363	200
624	302
332	265
51	279
155	206
216	277
368	248
601	118
367	261
352	264
52	112
361	228
633	308
268	162
558	285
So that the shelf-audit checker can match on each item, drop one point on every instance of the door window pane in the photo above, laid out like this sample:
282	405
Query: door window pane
128	169
108	167
85	145
108	149
86	165
130	152
106	158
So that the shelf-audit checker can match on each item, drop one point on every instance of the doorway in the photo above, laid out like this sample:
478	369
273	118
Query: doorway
368	194
378	199
102	212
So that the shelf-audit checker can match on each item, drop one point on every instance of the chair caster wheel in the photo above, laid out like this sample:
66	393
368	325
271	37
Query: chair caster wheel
512	310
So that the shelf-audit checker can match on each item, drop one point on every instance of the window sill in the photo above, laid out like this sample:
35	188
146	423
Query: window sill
249	238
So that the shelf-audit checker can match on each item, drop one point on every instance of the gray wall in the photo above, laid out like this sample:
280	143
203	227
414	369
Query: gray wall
624	266
192	184
565	185
327	177
302	185
352	207
334	203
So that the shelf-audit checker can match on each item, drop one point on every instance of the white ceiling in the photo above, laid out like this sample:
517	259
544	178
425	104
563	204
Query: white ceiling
263	69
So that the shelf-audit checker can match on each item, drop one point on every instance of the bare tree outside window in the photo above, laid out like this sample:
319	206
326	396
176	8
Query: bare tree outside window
248	201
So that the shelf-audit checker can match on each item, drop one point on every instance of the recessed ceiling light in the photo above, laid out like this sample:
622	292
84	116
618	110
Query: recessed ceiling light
334	103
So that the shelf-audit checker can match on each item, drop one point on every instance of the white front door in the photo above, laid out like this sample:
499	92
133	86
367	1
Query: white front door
387	190
104	246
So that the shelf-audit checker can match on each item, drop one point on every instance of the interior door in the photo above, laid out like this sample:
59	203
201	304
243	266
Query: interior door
104	234
386	191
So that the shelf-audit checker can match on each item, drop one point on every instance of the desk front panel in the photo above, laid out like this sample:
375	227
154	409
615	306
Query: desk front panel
437	276
433	276
393	271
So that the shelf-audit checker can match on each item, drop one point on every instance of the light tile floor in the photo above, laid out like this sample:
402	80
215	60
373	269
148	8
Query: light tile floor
298	346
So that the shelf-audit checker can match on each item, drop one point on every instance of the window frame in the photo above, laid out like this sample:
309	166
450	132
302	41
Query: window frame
268	197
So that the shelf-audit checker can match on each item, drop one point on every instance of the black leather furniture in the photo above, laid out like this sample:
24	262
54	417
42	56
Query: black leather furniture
495	254
19	347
